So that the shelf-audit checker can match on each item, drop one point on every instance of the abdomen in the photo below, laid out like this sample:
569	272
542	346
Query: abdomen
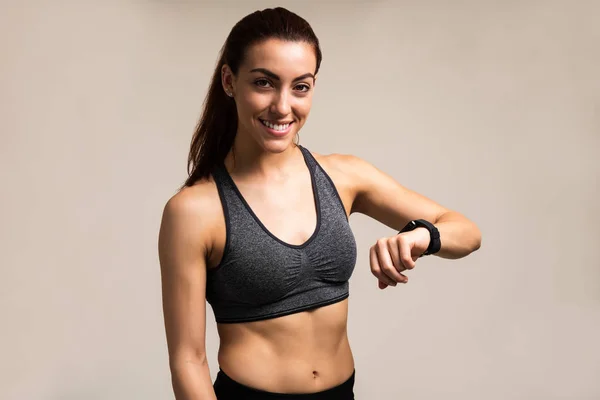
298	353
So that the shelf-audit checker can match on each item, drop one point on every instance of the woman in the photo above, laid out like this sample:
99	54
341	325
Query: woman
260	230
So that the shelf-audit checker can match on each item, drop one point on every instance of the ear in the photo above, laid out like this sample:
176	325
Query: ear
227	79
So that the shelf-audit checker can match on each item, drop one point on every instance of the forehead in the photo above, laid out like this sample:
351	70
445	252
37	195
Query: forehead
286	59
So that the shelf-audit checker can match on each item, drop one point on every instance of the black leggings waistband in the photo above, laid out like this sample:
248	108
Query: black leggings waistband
228	389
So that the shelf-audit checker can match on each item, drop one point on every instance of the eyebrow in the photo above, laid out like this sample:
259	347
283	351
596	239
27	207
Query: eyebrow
276	77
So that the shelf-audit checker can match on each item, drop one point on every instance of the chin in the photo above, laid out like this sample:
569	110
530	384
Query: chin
278	145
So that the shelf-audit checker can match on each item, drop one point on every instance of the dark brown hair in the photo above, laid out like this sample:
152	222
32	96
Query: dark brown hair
216	129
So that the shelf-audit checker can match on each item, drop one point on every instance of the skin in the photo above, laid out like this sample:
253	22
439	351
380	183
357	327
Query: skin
308	351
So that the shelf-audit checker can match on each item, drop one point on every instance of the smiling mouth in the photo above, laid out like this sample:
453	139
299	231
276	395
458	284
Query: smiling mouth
276	127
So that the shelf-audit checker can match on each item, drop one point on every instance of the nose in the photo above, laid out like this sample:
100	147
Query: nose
281	104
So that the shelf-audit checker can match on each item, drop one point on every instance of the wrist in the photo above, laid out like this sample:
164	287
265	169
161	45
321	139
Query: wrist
433	241
424	238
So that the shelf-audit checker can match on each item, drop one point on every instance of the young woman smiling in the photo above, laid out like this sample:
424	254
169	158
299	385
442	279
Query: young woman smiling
260	230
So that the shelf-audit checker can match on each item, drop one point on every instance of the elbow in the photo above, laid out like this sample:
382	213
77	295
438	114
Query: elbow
190	378
184	362
469	243
476	239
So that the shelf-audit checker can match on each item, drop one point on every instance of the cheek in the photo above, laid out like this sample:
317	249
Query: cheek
254	102
243	105
303	107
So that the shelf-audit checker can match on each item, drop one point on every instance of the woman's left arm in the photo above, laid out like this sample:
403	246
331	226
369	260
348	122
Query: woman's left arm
379	196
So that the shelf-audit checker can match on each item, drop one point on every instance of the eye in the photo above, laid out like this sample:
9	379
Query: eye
262	83
303	87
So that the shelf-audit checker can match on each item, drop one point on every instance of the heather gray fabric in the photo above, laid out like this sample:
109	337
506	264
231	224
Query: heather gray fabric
262	277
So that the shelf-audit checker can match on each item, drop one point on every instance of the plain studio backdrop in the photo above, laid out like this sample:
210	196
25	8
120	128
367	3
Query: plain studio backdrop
490	108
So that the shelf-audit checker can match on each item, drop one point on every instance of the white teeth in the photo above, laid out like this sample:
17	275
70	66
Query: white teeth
275	127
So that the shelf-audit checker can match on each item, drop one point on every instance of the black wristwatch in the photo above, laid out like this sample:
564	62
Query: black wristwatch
434	243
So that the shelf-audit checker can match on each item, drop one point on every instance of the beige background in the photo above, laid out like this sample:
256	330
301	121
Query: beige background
488	107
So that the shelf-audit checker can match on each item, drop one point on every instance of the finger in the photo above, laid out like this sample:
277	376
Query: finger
394	250
404	247
386	263
376	268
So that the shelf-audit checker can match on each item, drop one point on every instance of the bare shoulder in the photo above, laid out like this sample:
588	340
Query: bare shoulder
198	198
345	170
347	164
190	215
359	172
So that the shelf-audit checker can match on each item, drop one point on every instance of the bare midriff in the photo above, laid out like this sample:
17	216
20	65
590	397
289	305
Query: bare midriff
306	352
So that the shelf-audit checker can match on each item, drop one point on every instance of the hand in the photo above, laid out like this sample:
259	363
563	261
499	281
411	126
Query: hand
390	256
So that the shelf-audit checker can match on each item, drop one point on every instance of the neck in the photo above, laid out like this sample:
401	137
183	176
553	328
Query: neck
247	157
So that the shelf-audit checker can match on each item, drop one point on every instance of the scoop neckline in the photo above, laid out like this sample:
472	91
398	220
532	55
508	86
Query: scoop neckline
259	222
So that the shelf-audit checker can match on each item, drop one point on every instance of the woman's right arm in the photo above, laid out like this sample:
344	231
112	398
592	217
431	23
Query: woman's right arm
182	246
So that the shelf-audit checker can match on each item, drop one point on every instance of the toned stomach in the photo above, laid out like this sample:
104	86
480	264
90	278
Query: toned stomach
305	352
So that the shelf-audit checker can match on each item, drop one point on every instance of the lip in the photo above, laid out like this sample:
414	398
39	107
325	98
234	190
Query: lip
277	133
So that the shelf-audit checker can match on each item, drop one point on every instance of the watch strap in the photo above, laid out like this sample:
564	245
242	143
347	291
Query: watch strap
435	243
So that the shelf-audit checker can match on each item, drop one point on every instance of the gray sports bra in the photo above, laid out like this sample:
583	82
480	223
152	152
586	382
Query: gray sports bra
262	277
